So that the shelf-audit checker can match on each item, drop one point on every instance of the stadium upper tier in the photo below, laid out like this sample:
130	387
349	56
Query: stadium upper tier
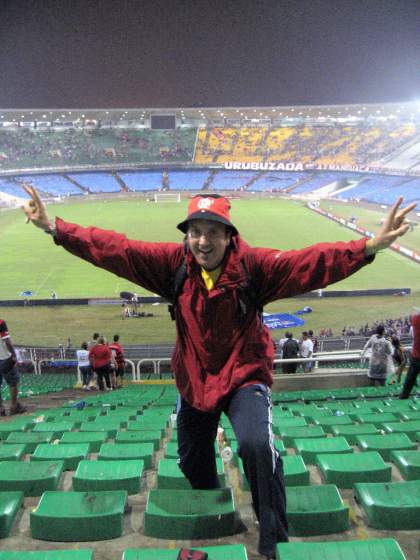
373	145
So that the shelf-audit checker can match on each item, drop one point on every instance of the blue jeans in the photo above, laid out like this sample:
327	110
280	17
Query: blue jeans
249	411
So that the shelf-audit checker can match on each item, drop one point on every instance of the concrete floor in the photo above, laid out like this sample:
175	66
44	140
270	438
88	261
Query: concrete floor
133	537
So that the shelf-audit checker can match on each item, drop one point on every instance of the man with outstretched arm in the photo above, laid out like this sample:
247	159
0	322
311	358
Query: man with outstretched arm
223	357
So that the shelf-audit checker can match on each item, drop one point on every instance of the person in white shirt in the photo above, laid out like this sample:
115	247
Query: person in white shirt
84	365
306	350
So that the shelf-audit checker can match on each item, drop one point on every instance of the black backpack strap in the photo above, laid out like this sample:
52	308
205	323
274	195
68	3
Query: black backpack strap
178	280
248	293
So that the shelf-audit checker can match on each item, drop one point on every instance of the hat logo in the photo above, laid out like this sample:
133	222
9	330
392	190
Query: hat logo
205	203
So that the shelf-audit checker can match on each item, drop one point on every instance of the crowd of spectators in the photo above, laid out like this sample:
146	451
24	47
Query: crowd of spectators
31	148
345	145
399	326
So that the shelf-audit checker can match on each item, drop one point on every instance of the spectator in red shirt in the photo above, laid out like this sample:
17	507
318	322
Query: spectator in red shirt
100	357
118	356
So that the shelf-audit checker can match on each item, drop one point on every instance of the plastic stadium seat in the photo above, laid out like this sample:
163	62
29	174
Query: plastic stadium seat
80	554
92	476
377	419
408	463
30	478
279	445
190	514
226	552
372	549
79	516
346	470
139	437
71	455
294	471
350	431
409	415
110	427
310	448
137	451
12	451
93	439
390	505
58	428
171	450
316	510
6	428
384	444
30	439
326	422
289	434
10	502
410	428
170	476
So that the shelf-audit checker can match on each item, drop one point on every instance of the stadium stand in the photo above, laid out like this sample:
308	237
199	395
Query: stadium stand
54	185
142	180
188	180
383	189
96	182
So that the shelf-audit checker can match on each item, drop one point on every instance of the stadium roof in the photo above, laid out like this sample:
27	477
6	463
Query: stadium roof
216	115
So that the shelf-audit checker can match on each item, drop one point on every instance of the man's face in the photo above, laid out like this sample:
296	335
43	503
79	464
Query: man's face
208	241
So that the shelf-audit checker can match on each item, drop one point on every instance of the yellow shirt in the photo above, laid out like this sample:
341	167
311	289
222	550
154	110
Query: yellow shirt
210	277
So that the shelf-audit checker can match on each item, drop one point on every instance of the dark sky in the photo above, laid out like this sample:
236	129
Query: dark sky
181	53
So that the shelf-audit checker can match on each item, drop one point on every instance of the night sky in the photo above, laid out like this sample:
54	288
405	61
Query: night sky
174	53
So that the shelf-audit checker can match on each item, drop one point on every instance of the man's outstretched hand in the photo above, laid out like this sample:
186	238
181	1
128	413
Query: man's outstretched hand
35	210
395	226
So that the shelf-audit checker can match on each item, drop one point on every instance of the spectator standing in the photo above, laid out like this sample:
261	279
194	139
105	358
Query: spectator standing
379	363
84	365
223	358
100	357
8	371
118	355
306	351
399	357
290	351
414	367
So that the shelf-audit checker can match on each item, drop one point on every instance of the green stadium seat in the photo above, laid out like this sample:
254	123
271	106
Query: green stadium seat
371	549
30	478
410	428
278	424
129	451
80	554
57	428
70	454
315	510
29	439
12	451
223	552
350	431
6	428
141	426
170	476
326	422
295	471
190	514
279	445
409	415
294	432
79	516
110	427
408	463
10	502
171	450
394	506
93	439
377	419
384	444
94	476
139	437
310	448
346	470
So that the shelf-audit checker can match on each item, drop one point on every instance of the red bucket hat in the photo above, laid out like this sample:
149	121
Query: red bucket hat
208	207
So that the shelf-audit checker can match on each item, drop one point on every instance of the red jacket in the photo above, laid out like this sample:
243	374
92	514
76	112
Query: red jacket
217	350
100	355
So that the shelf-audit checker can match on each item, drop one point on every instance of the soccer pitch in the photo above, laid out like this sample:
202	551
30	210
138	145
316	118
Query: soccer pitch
32	262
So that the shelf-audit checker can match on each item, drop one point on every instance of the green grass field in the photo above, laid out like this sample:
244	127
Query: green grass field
32	262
